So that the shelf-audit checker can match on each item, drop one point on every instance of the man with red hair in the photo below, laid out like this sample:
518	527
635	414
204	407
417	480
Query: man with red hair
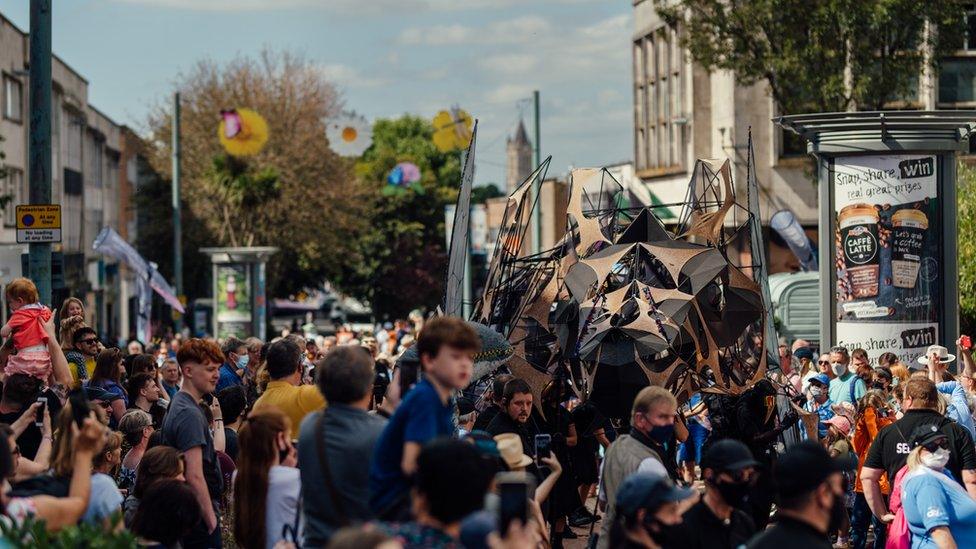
187	429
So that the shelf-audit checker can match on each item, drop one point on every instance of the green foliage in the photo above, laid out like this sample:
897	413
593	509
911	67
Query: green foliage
241	190
33	532
802	48
401	261
966	227
295	194
154	233
481	193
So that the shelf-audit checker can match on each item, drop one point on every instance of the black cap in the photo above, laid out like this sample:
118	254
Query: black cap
802	468
648	491
727	455
925	434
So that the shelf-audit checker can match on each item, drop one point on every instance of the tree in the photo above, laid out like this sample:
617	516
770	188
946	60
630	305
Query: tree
820	56
295	194
966	246
481	193
400	260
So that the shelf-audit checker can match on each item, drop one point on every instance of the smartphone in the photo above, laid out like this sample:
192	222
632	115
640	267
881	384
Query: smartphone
514	490
80	407
39	420
965	342
408	376
543	447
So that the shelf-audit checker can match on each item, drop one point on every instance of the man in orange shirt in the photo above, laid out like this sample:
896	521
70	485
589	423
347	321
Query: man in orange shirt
285	391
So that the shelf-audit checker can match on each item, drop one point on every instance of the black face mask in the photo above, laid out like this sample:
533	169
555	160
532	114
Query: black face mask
734	493
837	513
659	532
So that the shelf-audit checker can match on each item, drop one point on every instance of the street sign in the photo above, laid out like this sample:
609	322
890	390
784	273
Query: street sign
38	223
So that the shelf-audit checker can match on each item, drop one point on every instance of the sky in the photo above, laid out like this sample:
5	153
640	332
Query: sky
387	57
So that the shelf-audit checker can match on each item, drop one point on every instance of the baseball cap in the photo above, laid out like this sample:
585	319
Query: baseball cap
648	491
804	352
727	455
841	422
802	468
925	434
821	379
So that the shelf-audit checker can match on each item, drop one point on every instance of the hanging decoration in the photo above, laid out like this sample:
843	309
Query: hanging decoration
349	134
452	130
403	176
242	132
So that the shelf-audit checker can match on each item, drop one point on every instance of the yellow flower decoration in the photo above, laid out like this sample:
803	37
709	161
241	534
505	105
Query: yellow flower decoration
452	130
242	132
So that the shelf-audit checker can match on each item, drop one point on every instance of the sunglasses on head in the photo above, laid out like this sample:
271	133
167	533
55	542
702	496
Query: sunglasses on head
935	445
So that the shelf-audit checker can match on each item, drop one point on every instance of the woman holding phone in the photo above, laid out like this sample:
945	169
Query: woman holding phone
267	484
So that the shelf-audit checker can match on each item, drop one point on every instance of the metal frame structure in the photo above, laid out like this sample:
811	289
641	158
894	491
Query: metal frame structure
842	134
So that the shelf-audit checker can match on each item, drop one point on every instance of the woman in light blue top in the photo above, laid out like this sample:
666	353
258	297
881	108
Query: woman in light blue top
938	510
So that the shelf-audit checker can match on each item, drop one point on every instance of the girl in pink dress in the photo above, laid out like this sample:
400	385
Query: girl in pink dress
26	323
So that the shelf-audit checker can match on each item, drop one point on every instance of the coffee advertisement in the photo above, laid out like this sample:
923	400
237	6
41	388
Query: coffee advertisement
887	253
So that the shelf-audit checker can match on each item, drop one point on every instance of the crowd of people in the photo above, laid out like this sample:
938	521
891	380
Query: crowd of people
333	442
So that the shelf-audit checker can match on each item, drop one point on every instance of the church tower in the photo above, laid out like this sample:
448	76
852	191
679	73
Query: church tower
519	163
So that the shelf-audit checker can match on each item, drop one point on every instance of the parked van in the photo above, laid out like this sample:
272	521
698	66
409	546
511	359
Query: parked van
796	304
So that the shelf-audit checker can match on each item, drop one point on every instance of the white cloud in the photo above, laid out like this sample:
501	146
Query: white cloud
510	63
508	93
437	35
520	30
349	77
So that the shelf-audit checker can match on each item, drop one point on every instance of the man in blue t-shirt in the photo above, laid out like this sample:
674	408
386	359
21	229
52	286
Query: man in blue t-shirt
846	386
446	348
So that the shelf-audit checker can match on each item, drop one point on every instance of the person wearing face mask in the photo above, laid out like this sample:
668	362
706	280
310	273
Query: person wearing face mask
819	403
652	425
232	371
846	385
938	510
890	449
717	520
810	500
650	506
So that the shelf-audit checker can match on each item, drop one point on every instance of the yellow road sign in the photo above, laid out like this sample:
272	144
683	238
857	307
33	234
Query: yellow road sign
38	223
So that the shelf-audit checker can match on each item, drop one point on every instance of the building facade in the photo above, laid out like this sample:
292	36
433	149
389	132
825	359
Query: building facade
683	112
91	179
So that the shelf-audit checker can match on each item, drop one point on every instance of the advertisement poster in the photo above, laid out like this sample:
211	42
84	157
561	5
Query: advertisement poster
233	301
888	250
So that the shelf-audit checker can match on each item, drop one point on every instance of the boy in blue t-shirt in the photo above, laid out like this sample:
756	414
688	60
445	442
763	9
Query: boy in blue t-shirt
446	348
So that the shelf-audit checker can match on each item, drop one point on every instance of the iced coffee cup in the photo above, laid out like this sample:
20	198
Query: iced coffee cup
859	238
907	242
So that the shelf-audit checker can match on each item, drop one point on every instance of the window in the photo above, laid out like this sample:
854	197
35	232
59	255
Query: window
13	192
13	99
658	103
969	42
957	81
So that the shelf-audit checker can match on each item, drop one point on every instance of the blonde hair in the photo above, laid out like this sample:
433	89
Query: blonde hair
62	458
652	396
112	443
900	371
915	458
69	326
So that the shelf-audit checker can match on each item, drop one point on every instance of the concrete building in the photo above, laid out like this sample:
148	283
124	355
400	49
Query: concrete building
683	112
90	179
